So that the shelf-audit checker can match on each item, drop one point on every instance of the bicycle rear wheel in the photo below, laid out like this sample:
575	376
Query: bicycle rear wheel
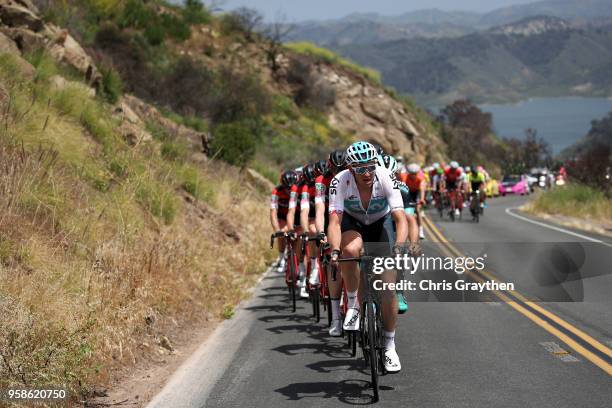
316	303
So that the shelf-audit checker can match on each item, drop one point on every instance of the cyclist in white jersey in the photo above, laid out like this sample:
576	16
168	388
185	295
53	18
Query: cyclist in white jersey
365	201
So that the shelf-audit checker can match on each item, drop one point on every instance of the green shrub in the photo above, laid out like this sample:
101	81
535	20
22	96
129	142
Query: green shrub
155	34
194	12
175	27
231	24
111	87
136	14
234	143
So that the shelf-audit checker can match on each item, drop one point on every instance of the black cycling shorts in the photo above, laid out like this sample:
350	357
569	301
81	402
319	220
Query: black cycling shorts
378	238
414	196
296	218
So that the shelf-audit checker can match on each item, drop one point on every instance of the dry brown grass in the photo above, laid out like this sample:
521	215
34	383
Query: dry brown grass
92	278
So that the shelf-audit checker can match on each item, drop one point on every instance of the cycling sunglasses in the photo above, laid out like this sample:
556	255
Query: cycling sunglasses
361	170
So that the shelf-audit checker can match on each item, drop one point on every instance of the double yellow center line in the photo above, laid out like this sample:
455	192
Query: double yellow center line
576	339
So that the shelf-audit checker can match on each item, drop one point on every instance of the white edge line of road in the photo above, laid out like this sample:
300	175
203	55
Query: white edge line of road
191	385
509	211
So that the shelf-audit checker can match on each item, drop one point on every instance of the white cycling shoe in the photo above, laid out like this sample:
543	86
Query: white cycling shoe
392	361
351	320
303	289
335	330
421	233
281	266
314	277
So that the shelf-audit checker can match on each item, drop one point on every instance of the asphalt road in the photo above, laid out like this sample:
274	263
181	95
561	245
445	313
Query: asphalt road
472	354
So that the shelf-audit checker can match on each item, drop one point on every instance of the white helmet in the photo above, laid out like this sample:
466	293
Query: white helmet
388	162
468	169
454	165
436	166
413	168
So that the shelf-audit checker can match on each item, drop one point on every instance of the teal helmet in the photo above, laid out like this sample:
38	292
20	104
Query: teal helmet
361	152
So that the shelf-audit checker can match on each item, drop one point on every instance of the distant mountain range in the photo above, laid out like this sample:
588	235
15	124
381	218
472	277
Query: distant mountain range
538	56
548	48
367	28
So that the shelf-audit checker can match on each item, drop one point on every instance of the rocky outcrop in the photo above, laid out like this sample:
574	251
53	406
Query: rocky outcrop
366	110
258	180
22	24
370	113
20	13
198	141
7	45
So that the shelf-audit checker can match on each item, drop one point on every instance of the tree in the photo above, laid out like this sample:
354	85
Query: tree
464	114
274	36
536	151
249	20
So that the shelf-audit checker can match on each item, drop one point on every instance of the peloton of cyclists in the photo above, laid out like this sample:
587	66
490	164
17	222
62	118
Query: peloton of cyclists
353	198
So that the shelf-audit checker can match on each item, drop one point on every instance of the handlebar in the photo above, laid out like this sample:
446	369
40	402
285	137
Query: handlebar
354	259
276	235
317	238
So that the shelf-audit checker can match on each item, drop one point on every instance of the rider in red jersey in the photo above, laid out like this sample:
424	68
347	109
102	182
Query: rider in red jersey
308	194
284	199
452	177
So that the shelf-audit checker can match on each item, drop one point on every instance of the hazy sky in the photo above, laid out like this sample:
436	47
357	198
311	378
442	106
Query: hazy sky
298	10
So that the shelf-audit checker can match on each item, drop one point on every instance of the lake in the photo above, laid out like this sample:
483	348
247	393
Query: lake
560	121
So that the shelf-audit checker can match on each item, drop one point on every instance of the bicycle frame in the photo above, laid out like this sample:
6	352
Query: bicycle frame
291	264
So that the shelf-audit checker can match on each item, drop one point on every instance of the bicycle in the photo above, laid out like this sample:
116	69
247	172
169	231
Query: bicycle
291	263
475	206
370	331
319	293
454	202
439	198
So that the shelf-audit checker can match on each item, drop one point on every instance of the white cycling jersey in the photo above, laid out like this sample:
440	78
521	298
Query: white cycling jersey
386	196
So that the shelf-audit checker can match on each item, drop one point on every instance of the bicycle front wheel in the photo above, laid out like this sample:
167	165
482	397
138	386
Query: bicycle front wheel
293	268
370	337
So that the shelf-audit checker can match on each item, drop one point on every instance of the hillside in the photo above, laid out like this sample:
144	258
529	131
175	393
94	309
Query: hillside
539	56
130	209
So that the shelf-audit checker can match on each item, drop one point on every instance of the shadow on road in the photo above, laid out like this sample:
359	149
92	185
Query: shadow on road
297	318
330	366
330	350
351	392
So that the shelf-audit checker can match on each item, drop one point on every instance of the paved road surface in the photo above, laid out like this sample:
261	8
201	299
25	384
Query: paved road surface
453	354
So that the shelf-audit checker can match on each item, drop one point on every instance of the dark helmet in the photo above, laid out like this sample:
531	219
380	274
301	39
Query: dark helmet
474	169
289	178
322	167
337	158
379	149
310	173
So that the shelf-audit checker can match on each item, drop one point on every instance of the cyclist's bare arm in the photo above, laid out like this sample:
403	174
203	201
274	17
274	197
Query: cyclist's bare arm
274	220
290	218
320	216
334	233
401	226
304	217
422	190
